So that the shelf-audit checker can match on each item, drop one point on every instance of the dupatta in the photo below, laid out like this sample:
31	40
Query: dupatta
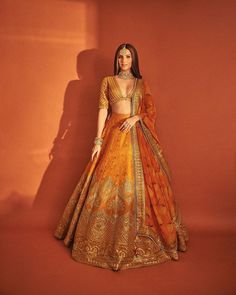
153	193
146	109
153	198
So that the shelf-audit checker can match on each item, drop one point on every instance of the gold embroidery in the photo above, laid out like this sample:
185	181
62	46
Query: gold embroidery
119	95
158	153
110	92
104	220
103	98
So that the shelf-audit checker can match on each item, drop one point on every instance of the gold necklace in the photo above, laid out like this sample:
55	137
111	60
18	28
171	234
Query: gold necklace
125	75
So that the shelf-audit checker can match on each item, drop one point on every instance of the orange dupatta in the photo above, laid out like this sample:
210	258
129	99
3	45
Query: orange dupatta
147	112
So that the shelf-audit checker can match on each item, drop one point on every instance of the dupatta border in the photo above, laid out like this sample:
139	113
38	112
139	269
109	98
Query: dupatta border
142	230
156	148
138	170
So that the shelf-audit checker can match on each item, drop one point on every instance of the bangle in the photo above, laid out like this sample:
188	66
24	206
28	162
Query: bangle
98	140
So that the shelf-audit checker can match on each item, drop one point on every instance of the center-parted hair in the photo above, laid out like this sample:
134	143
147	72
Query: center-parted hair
135	64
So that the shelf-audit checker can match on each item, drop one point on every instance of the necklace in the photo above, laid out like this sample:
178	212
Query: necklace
125	75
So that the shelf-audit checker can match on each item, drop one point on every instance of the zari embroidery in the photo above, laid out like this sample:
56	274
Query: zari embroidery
104	219
110	92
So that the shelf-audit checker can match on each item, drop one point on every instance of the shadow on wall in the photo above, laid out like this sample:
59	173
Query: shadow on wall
70	152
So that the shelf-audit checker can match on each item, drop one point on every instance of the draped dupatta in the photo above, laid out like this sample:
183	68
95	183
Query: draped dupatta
158	216
148	113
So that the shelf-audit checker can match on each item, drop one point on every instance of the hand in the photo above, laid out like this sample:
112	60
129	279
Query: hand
128	123
96	150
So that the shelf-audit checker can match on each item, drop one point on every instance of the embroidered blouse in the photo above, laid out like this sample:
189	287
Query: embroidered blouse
110	92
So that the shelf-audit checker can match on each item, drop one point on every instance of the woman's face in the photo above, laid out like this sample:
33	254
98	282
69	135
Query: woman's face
125	59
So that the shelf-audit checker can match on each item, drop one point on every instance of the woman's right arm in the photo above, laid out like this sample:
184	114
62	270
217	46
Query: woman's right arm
102	115
103	105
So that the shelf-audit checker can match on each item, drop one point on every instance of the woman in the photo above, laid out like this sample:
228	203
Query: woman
122	213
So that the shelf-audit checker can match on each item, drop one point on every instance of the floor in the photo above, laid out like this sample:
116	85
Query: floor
33	262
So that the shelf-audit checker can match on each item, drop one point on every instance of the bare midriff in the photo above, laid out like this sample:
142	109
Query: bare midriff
121	107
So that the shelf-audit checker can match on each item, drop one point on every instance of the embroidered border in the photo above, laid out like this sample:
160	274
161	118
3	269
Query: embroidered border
157	150
141	229
138	171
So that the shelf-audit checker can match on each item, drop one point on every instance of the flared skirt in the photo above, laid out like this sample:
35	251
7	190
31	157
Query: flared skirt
122	213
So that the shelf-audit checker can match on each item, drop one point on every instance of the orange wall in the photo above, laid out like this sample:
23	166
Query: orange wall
186	53
39	42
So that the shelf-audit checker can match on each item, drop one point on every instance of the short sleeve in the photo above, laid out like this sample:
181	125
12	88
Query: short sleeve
103	98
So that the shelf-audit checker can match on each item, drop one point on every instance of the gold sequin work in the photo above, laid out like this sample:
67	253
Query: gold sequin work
122	213
110	92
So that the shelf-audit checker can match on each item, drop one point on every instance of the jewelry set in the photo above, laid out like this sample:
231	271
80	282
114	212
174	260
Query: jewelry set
124	74
98	140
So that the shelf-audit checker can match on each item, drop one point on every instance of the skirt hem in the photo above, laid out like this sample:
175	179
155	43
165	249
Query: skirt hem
124	266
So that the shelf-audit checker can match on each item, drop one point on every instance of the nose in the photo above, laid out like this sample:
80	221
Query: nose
123	60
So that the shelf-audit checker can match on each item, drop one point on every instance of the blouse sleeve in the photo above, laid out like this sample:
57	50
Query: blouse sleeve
149	108
103	99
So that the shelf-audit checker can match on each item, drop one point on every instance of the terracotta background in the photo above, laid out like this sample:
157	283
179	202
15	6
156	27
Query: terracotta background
53	56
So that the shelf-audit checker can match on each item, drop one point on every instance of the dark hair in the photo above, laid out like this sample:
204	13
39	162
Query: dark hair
134	67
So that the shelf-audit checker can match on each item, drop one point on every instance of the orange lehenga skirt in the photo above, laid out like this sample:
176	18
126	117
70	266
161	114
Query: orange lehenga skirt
122	213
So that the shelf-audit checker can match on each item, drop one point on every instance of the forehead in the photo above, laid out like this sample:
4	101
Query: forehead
124	51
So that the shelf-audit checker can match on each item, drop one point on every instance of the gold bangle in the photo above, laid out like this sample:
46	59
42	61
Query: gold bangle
98	140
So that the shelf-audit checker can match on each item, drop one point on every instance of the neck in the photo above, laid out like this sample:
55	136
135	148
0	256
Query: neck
125	74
